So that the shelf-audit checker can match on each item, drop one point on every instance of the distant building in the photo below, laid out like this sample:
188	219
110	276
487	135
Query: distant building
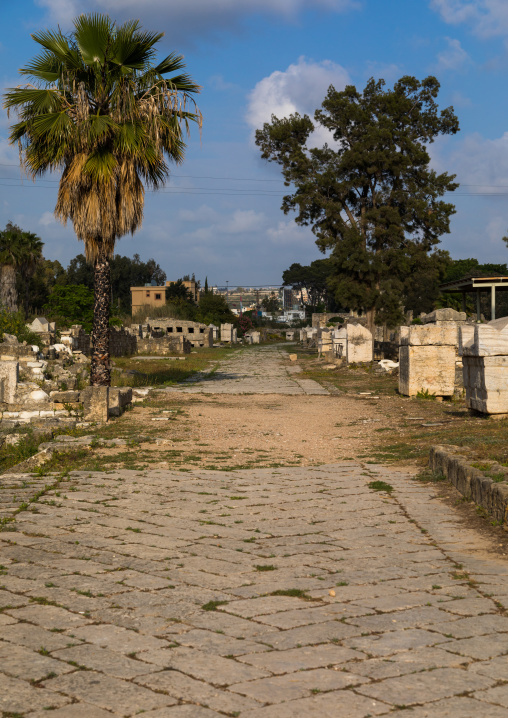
150	295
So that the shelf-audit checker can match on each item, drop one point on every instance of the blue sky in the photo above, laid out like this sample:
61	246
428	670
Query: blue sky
219	215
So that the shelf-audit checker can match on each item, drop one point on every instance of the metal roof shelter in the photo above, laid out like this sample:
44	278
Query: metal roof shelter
476	285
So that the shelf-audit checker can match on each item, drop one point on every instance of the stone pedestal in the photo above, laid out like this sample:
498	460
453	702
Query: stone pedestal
486	383
95	403
9	373
427	358
360	344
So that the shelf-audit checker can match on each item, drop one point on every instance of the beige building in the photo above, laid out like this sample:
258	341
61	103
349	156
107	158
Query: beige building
153	296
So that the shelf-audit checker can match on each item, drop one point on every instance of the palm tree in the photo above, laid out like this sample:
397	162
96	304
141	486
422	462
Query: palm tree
103	113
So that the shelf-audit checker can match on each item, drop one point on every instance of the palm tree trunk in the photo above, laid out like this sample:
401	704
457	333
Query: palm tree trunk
8	293
100	372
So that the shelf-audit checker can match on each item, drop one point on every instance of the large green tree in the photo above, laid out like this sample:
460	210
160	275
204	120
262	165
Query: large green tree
102	111
370	195
20	253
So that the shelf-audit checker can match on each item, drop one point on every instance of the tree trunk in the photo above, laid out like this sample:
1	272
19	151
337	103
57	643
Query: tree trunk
371	320
100	371
8	293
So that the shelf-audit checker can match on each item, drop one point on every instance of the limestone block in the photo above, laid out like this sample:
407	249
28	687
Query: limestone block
119	398
9	375
487	341
466	337
444	315
256	337
430	368
360	344
39	396
95	403
486	383
426	334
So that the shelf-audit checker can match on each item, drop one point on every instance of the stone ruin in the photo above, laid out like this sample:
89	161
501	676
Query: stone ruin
485	364
352	343
429	358
195	333
228	333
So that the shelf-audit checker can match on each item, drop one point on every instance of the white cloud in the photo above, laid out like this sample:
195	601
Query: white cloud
189	18
301	88
454	57
47	219
486	17
288	232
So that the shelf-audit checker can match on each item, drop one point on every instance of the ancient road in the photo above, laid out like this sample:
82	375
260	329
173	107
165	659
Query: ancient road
260	370
270	593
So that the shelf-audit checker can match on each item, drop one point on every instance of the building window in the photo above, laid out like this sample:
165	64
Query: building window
169	330
179	329
157	296
191	330
148	294
201	331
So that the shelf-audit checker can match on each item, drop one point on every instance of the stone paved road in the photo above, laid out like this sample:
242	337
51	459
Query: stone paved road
261	370
297	592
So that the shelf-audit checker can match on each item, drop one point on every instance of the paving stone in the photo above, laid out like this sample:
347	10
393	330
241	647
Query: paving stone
17	696
480	647
184	687
25	634
497	695
477	626
104	660
394	641
297	659
339	704
290	686
419	687
108	692
48	616
182	711
220	671
496	668
453	708
21	662
118	639
76	710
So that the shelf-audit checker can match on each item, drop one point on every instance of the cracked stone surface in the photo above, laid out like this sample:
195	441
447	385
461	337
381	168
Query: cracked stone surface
260	593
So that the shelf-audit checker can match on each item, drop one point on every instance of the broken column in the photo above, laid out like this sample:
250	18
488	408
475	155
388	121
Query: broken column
427	359
9	374
485	366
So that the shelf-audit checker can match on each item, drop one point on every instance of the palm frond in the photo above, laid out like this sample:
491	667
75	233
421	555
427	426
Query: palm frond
32	101
93	34
100	165
171	63
46	67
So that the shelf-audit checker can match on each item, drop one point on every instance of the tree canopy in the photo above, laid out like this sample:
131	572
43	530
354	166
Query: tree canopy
369	195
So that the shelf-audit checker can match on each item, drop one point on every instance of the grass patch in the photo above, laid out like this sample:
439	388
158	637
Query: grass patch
212	605
293	592
381	486
265	567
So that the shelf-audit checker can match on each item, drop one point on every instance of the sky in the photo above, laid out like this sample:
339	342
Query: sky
219	214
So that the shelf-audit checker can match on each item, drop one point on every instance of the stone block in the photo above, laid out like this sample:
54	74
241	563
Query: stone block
119	398
9	375
426	334
360	344
95	403
430	368
444	315
256	337
488	340
486	383
466	336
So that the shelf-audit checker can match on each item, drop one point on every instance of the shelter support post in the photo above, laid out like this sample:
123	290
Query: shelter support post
492	302
478	305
